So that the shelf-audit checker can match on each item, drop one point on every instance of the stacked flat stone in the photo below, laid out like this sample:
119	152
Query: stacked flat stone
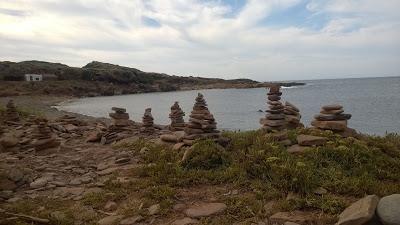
275	118
120	118
147	122
11	112
332	118
43	138
176	116
292	116
70	119
201	123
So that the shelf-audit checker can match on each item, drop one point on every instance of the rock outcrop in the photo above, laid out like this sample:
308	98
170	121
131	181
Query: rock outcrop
201	123
176	116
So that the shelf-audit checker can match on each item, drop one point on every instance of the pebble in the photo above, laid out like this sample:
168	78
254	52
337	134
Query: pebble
154	209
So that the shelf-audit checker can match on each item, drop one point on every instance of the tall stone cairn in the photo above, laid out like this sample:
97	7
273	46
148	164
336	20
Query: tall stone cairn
176	116
11	112
120	118
275	118
201	123
43	138
292	116
331	117
148	122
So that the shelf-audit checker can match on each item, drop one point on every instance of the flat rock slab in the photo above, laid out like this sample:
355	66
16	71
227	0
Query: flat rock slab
109	220
309	140
330	125
205	209
389	210
332	107
185	221
359	212
295	217
296	149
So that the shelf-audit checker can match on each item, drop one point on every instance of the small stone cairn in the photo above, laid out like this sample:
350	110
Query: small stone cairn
119	124
331	118
148	122
176	116
201	123
120	118
275	118
292	116
11	112
43	138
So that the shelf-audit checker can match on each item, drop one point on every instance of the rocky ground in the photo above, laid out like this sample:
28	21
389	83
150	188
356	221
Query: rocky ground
143	180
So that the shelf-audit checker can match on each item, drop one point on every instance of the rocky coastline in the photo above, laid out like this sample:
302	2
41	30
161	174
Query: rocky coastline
64	168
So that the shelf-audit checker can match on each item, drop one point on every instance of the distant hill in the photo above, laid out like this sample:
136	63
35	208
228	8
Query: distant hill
97	78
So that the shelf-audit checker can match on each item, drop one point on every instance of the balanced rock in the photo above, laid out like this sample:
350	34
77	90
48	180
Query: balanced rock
201	123
148	122
11	112
275	117
176	116
332	118
292	116
388	210
43	138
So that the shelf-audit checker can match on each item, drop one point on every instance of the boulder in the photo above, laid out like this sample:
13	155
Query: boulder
309	140
388	210
205	209
359	212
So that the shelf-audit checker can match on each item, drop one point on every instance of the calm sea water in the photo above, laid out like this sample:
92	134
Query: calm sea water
373	102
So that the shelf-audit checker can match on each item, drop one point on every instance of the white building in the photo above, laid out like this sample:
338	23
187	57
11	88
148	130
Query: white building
33	77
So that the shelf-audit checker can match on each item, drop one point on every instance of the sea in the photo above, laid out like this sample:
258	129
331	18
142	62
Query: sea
373	102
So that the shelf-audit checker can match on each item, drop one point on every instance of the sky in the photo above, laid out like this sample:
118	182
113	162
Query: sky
257	39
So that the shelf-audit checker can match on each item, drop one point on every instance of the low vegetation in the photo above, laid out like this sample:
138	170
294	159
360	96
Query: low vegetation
347	168
255	170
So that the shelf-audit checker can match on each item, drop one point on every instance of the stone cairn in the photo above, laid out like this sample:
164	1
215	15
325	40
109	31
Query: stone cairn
11	112
120	118
148	122
176	116
331	118
292	116
201	123
119	123
275	119
43	138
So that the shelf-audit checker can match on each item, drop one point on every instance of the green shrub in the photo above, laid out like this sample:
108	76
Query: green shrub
207	155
